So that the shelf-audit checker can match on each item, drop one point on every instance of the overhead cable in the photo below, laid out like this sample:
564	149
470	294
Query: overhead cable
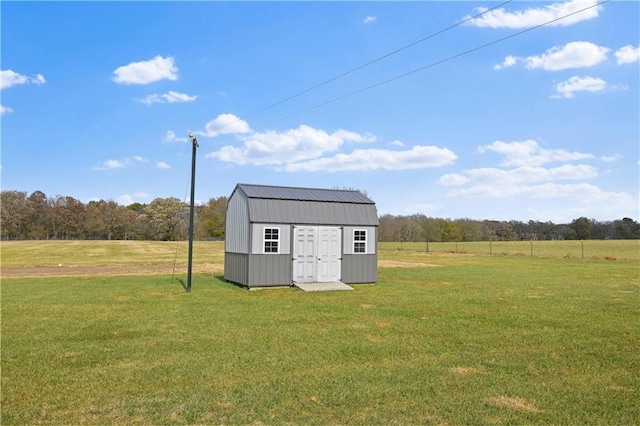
433	64
351	71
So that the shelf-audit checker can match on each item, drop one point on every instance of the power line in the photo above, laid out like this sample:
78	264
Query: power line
375	60
351	71
433	64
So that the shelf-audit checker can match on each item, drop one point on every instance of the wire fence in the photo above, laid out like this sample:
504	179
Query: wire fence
586	249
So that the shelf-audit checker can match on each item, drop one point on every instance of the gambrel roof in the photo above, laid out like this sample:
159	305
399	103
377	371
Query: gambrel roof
278	204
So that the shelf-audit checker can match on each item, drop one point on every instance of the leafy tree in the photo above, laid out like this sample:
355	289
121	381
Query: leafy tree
129	224
582	228
13	214
212	218
602	230
38	220
449	231
136	207
430	229
166	218
504	232
469	229
108	220
626	229
520	230
69	217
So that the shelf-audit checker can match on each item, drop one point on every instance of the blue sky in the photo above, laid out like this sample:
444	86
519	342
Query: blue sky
97	100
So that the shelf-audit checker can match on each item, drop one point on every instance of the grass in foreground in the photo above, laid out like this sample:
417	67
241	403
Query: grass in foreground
466	340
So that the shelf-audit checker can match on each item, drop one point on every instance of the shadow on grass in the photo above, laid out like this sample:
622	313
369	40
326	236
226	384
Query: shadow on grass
181	281
215	280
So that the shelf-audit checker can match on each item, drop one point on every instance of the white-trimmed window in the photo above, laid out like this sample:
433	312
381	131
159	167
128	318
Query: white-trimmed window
360	241
271	240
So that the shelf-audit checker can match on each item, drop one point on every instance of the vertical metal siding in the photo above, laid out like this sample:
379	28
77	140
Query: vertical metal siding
237	224
267	270
236	268
359	268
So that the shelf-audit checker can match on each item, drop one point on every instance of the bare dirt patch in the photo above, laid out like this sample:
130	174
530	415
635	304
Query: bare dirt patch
398	264
111	270
514	403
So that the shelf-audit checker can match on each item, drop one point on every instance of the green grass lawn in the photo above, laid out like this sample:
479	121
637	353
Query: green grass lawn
458	340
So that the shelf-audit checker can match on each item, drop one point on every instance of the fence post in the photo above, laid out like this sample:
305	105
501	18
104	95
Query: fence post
582	243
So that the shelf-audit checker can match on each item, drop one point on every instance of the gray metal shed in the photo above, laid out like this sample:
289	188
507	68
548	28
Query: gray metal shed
279	236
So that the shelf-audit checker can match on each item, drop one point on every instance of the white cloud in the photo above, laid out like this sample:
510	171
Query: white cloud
170	97
397	143
628	54
611	158
529	153
509	61
519	180
586	200
127	199
530	17
224	124
529	174
418	157
500	183
277	148
576	54
584	193
145	72
109	164
5	110
369	20
171	137
567	88
453	179
537	182
151	99
162	165
10	78
119	164
308	149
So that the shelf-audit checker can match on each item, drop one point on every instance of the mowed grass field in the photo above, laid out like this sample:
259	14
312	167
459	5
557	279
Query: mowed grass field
441	338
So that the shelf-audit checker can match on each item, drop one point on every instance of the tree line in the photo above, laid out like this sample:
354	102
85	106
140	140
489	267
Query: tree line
420	228
39	217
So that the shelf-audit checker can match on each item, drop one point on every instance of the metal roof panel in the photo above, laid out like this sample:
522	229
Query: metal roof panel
304	194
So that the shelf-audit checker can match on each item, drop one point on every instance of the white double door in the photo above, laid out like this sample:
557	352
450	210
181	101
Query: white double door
317	252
